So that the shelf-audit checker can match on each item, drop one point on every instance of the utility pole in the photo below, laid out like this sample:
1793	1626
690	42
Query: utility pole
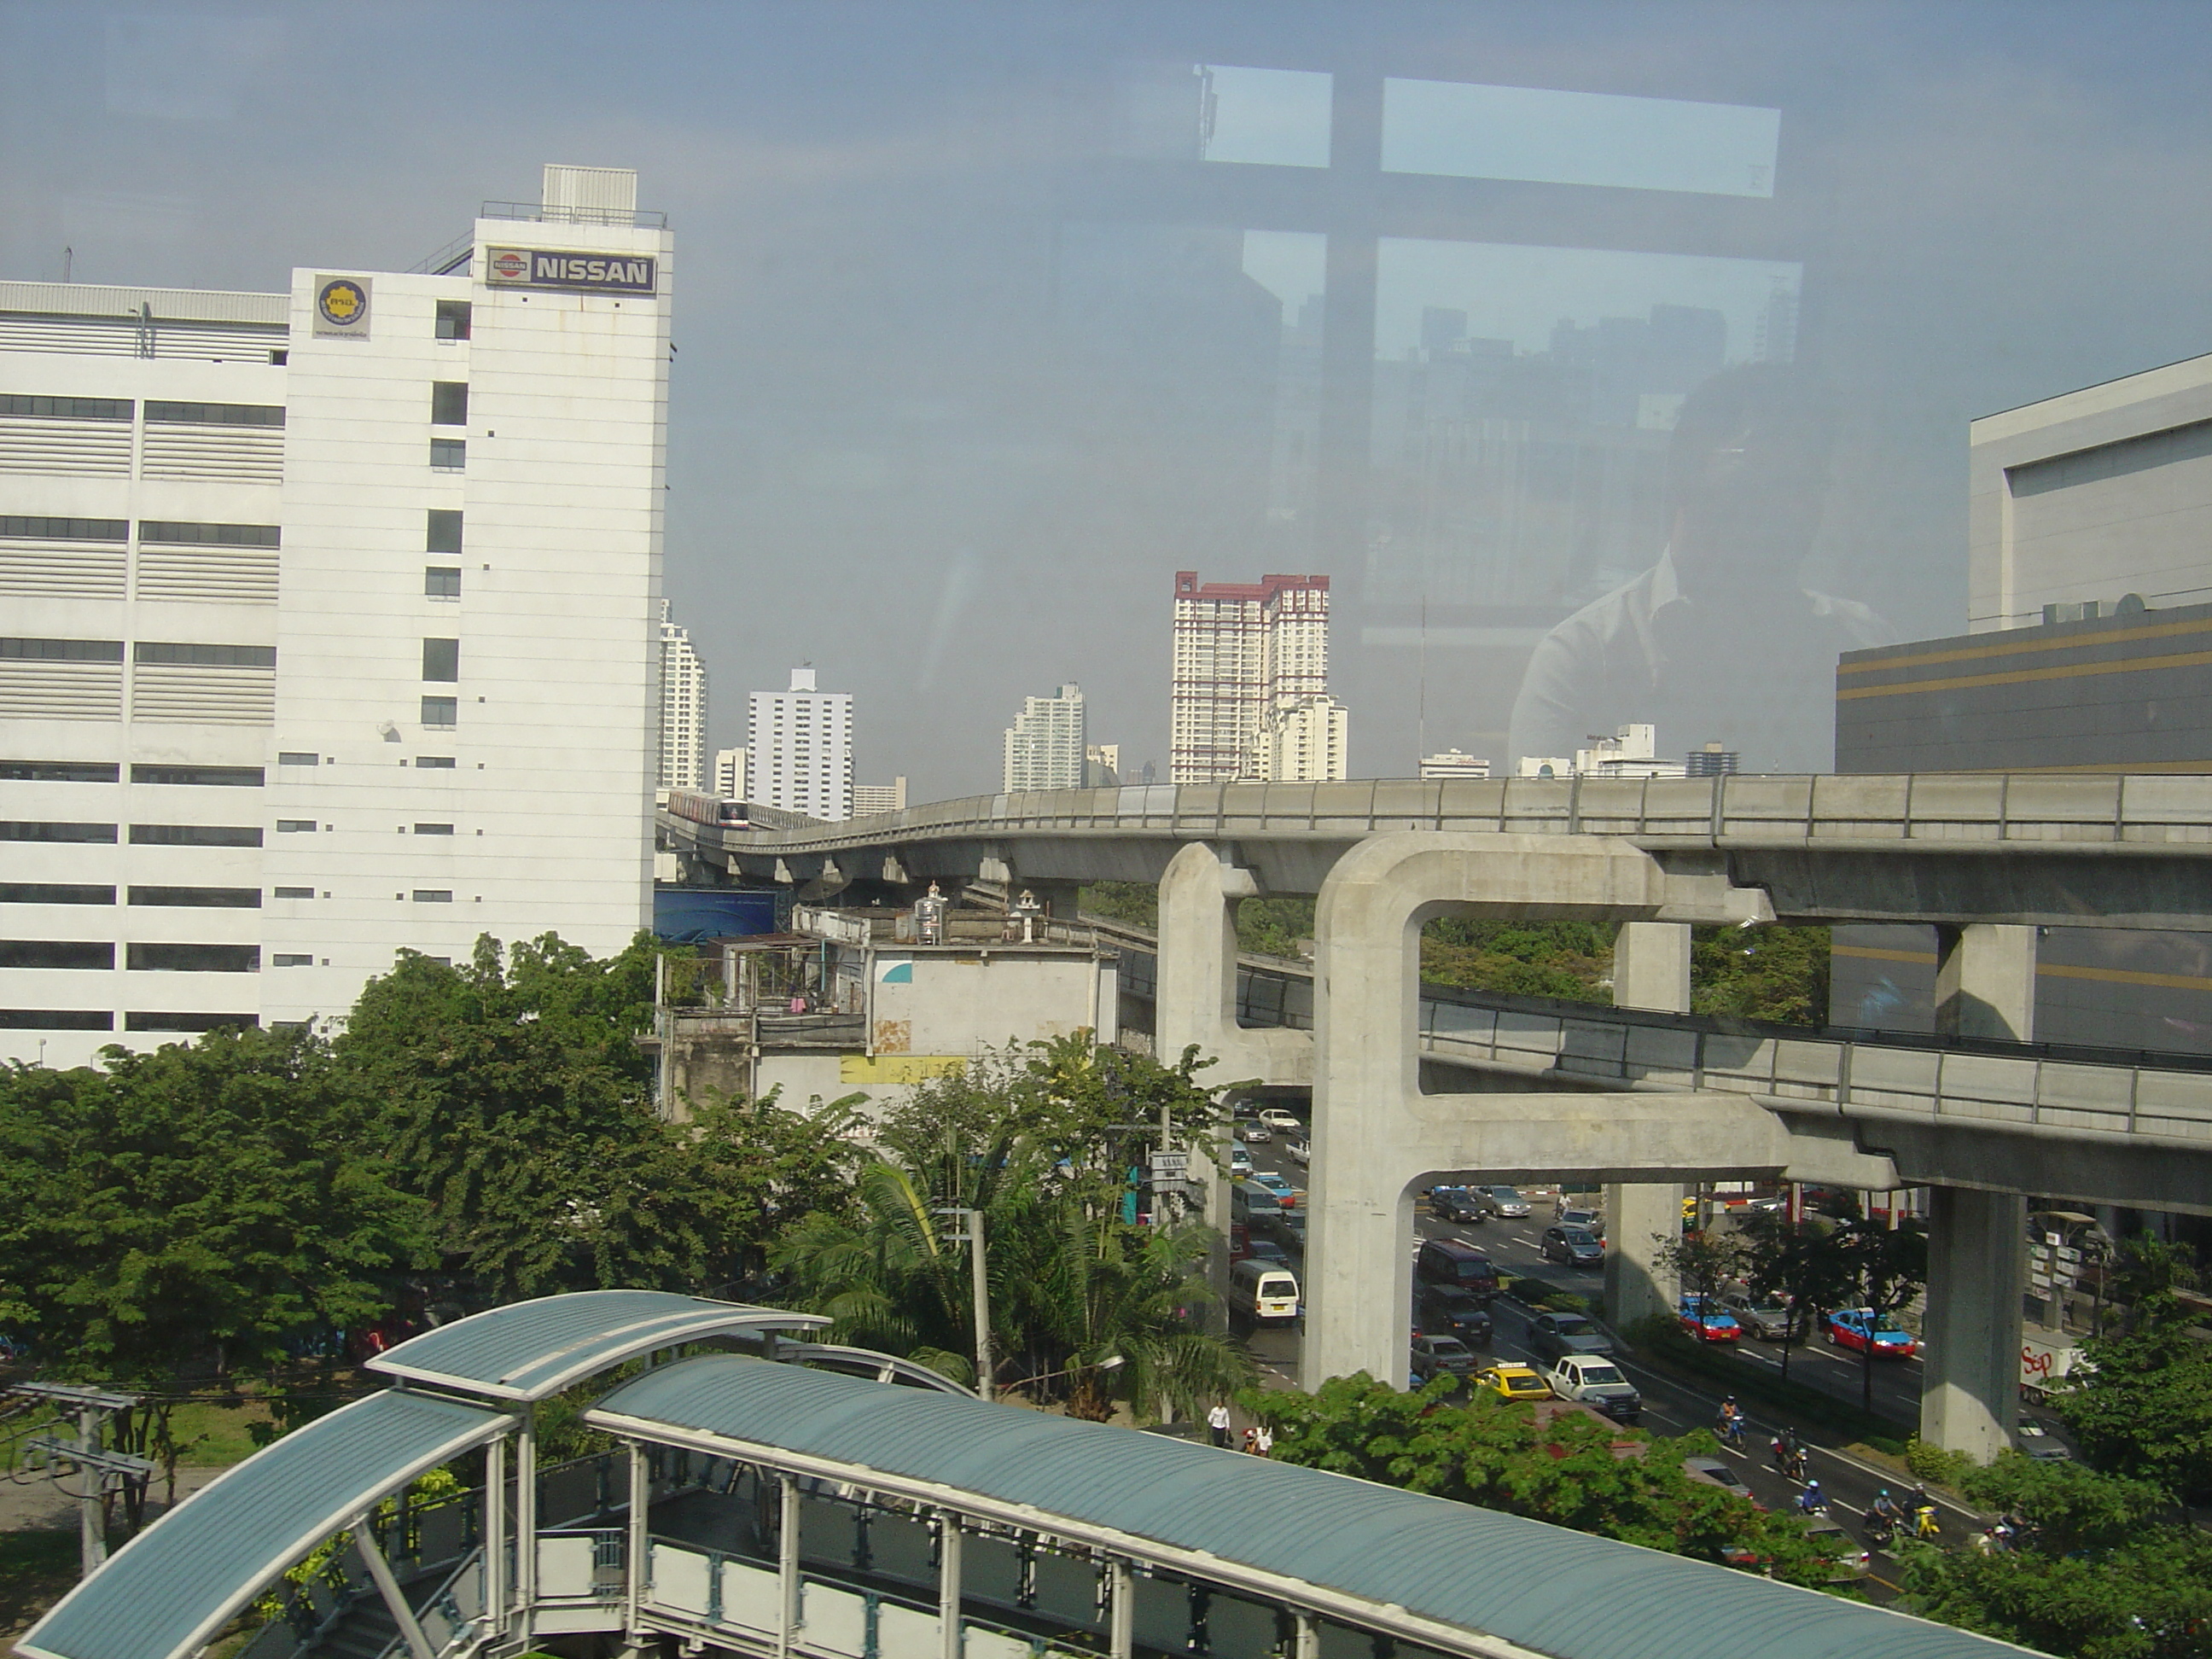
101	1472
980	1287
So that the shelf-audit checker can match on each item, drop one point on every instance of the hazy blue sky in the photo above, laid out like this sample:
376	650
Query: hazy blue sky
968	362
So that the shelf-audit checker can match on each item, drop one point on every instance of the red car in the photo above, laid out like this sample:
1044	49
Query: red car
1859	1329
1706	1320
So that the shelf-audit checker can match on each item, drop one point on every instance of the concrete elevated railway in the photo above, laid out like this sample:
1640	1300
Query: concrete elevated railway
1648	1104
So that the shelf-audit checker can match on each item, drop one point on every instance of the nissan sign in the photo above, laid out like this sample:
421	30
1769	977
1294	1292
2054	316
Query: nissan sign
601	273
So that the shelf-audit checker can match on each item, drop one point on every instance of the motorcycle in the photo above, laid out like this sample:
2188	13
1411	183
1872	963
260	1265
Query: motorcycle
1925	1523
1789	1461
1880	1531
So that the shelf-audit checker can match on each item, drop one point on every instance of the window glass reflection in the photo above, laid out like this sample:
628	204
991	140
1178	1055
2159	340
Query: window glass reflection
1278	118
1545	137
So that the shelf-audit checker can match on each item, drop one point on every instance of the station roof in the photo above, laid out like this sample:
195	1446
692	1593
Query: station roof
1540	1588
171	1589
529	1350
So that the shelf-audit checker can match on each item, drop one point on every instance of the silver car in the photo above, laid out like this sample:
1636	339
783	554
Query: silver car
1505	1202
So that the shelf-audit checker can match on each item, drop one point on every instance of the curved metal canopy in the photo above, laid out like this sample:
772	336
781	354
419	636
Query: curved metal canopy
529	1350
169	1590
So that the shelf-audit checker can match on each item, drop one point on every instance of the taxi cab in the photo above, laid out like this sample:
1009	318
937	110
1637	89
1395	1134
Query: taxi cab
1513	1382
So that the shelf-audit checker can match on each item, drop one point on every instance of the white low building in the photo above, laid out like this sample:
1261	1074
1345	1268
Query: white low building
330	624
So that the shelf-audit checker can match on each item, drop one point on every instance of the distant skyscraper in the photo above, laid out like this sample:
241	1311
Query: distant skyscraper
1043	748
870	799
800	749
1241	649
1305	741
682	709
1102	765
730	773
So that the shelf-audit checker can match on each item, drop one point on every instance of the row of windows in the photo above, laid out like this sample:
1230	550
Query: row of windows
17	771
169	531
158	650
157	411
100	1019
176	835
58	892
99	955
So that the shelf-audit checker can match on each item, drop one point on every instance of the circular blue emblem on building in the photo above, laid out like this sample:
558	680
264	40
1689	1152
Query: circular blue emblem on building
342	302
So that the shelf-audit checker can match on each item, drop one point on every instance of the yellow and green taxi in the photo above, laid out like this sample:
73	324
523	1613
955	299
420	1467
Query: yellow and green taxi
1513	1382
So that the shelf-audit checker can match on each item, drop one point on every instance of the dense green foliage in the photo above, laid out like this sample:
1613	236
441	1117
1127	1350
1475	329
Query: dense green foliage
1558	1466
2094	1573
1042	1144
2145	1411
1136	903
1566	959
1779	974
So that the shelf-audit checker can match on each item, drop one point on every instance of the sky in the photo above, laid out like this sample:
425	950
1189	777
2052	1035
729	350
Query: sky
971	360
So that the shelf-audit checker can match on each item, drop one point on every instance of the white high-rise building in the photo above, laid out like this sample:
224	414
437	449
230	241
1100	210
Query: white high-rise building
1454	764
800	749
1044	749
730	769
330	623
1241	649
682	709
870	799
1305	741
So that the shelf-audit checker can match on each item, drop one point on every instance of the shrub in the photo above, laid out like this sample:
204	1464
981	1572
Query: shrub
1933	1464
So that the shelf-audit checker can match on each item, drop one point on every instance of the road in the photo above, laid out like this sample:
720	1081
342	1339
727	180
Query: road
1671	1408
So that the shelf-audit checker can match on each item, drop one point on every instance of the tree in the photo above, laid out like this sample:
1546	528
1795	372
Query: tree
1887	1267
2093	1574
1779	974
1702	1261
1565	1467
2145	1411
198	1207
1802	1262
1040	1146
512	1095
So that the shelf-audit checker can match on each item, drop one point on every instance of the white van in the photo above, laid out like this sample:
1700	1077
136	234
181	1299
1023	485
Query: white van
1263	1292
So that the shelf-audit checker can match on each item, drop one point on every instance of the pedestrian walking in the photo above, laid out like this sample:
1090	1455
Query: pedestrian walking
1263	1441
1217	1420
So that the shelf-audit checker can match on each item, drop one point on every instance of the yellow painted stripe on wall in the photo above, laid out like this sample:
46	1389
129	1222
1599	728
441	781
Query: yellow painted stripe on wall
2051	970
1978	653
2071	670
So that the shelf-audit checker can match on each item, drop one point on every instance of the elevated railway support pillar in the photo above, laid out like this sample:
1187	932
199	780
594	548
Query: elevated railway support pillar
1651	969
1977	1241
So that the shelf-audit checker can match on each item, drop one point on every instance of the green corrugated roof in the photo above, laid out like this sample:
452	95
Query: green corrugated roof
1540	1587
170	1589
529	1350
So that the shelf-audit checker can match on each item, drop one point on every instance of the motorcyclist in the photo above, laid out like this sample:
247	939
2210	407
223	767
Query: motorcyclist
1809	1501
1789	1453
1730	1427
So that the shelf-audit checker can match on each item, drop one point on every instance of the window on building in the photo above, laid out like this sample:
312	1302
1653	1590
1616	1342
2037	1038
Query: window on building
295	892
284	960
433	895
445	532
56	1019
441	660
295	757
295	826
56	953
195	835
66	408
186	1022
15	771
434	829
441	714
18	830
435	762
54	892
206	656
215	414
201	898
442	581
210	535
449	454
453	319
218	777
62	650
194	959
449	403
65	530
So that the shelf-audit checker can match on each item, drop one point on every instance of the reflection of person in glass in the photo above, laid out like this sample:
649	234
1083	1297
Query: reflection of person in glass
1718	641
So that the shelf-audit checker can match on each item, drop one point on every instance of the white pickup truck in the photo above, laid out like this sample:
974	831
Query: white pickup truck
1594	1379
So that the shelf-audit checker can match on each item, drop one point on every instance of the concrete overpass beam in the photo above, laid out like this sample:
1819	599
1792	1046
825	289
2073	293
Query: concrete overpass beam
1985	982
1651	969
1970	1394
1375	1134
1197	996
